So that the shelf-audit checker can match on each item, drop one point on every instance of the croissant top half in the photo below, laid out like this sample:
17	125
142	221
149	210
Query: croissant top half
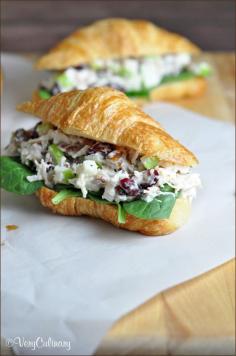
107	115
114	38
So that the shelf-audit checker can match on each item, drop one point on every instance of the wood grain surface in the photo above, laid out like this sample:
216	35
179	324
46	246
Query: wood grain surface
209	23
196	317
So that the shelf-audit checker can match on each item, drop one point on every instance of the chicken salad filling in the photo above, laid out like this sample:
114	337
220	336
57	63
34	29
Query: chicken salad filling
134	76
114	174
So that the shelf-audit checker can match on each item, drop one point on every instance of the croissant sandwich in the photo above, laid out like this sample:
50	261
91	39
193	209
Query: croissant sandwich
96	153
133	56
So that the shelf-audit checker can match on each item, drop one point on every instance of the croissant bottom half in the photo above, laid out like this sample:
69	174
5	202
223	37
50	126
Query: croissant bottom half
80	206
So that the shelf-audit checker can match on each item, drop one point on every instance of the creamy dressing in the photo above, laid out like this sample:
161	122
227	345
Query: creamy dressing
96	166
128	75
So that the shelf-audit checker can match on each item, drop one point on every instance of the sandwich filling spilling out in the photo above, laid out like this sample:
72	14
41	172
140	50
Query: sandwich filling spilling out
76	166
134	76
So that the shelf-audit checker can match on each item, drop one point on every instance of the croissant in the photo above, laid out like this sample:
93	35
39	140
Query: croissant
119	39
114	38
108	117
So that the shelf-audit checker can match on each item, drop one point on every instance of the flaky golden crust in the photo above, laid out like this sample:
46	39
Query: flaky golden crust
36	96
80	206
169	92
114	38
178	90
107	115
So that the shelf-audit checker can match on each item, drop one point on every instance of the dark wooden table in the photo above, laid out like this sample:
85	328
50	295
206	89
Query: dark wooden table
35	26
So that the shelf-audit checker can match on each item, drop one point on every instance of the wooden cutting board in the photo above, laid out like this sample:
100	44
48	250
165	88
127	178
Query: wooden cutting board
196	317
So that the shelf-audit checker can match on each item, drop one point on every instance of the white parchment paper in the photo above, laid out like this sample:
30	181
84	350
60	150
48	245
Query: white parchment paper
68	279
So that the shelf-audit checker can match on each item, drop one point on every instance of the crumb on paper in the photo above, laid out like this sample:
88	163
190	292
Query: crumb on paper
11	227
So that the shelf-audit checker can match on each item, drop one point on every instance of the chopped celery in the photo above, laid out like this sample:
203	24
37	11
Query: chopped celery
204	70
43	128
68	174
99	165
44	94
64	81
56	153
96	65
144	92
121	214
152	56
124	72
150	162
64	194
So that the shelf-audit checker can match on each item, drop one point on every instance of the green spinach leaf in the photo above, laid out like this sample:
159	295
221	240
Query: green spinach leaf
181	76
97	196
143	93
159	208
14	177
60	186
167	188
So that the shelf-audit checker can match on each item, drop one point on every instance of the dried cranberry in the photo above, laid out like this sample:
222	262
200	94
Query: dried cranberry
152	176
144	185
30	134
151	179
63	145
152	172
23	135
120	191
125	183
73	148
103	148
129	186
80	67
